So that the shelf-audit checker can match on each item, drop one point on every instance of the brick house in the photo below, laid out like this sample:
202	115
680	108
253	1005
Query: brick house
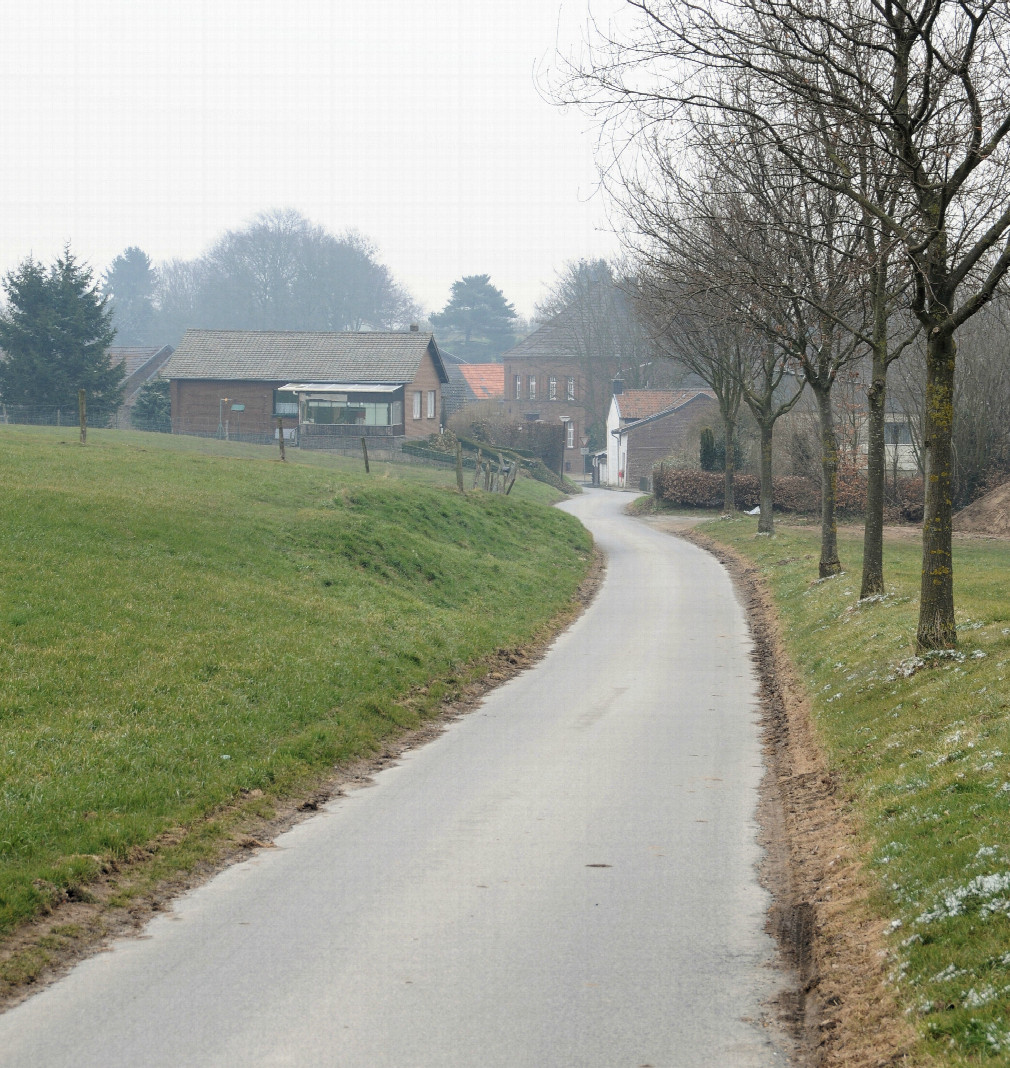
645	426
328	389
545	382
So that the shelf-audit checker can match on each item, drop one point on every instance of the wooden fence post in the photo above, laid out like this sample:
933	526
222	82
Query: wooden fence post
364	452
476	469
280	439
459	467
82	407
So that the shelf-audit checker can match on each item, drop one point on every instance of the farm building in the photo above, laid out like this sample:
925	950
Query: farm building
327	389
645	426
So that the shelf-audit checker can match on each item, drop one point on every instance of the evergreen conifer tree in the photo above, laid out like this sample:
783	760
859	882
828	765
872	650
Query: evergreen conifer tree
55	333
479	320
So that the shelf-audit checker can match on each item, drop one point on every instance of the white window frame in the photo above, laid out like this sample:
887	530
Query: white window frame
519	387
552	387
569	433
431	404
570	388
531	381
417	404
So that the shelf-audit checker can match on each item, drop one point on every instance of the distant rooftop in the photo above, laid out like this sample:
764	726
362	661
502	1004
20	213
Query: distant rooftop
641	403
486	380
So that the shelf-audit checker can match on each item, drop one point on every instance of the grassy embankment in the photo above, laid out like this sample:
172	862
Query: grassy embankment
184	624
922	749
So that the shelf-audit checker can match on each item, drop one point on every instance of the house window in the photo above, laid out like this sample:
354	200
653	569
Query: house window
285	402
552	387
532	383
519	387
570	388
897	434
431	404
569	434
417	404
330	411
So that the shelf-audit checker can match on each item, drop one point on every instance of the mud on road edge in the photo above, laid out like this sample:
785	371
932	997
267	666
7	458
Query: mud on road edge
120	902
843	1011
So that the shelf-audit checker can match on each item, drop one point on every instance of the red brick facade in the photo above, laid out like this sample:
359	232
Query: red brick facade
199	406
542	406
425	381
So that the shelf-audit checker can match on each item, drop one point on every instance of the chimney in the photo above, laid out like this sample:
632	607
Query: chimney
618	386
415	328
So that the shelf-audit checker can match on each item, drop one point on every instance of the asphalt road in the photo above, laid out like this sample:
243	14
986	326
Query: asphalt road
564	878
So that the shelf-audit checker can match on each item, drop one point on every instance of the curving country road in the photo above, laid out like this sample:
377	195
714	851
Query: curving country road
565	877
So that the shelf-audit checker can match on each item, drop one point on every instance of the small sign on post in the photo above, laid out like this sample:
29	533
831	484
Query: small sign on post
82	406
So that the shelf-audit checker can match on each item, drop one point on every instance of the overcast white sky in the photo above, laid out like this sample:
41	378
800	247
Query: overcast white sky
416	122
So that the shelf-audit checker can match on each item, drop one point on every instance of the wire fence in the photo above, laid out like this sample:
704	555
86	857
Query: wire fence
121	418
384	448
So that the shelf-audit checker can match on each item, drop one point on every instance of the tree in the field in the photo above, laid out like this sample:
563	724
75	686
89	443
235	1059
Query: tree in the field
477	318
152	409
129	283
55	332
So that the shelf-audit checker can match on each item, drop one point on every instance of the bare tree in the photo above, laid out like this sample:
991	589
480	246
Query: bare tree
702	287
703	337
282	272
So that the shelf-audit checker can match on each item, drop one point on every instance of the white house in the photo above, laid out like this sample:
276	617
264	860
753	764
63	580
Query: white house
644	426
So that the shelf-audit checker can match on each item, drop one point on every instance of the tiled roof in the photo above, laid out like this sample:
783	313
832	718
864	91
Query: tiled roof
133	358
272	355
552	341
641	403
486	380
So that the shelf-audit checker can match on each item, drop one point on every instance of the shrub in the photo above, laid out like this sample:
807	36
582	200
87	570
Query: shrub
686	488
689	488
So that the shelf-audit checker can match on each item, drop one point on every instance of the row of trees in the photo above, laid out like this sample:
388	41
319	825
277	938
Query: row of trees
808	184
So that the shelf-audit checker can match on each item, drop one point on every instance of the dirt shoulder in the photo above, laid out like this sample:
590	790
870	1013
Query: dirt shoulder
844	1011
128	893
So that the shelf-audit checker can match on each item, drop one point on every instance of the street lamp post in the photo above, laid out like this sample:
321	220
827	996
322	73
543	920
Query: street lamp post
222	401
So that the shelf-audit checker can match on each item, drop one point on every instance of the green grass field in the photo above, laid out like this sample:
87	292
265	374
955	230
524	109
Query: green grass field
184	620
923	752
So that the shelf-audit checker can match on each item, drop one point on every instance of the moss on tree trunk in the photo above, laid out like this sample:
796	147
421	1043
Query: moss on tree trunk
936	602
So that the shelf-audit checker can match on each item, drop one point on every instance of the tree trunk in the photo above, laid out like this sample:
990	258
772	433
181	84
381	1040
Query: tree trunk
728	495
829	563
936	601
873	533
766	522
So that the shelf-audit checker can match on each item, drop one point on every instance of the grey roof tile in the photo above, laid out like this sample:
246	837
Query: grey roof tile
272	355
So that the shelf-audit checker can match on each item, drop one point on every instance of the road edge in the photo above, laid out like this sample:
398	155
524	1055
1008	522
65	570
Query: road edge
843	1011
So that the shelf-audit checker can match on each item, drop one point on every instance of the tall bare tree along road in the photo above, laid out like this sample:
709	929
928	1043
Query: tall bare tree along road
565	877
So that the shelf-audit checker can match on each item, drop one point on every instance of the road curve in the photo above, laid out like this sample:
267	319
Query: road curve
565	877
